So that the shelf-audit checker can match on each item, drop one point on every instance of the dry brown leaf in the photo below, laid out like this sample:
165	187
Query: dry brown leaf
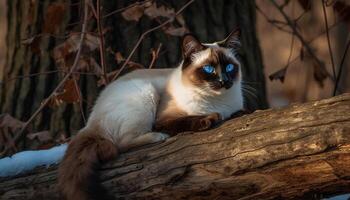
133	13
34	43
88	64
153	11
70	94
180	19
47	144
93	67
8	121
42	137
279	75
9	126
91	42
119	57
64	54
7	141
53	18
176	31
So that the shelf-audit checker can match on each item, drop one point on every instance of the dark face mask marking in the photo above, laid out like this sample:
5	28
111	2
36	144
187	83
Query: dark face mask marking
218	71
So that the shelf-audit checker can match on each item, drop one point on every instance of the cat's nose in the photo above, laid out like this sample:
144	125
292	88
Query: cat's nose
228	84
225	84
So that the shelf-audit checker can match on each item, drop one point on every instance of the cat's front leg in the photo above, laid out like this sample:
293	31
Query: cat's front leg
173	125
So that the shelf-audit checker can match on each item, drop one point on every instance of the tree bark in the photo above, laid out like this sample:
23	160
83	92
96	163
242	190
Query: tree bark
298	152
210	20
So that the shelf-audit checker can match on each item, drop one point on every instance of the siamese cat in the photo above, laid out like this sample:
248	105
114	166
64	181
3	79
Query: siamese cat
148	106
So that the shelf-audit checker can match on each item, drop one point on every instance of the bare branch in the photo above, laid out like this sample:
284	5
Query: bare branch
122	9
101	44
341	68
275	23
155	54
328	39
291	51
146	33
80	100
302	40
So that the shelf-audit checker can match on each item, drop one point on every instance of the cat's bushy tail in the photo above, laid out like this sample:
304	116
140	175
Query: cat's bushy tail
77	175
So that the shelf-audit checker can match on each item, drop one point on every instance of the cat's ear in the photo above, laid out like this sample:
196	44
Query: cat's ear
233	40
190	45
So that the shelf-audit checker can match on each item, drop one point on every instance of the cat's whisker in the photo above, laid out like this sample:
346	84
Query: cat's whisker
251	89
251	82
251	93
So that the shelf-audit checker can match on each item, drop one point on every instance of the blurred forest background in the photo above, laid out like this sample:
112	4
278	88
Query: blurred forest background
292	52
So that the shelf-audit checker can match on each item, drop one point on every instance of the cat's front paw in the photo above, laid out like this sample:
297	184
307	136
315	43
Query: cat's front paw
209	121
159	137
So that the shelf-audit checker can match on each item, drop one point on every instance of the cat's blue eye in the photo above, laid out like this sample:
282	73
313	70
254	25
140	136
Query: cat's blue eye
208	69
229	67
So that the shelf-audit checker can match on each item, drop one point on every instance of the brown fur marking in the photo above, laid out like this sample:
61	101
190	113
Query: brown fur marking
78	179
173	125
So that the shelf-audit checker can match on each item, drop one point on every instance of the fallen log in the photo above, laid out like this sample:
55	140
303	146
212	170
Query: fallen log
298	152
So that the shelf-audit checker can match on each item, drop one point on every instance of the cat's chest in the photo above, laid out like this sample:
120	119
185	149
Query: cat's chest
197	101
199	105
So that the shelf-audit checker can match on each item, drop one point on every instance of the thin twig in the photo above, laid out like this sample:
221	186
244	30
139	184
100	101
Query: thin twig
313	39
122	9
341	68
147	32
301	39
56	36
34	74
80	100
72	69
291	45
155	54
328	38
49	72
101	44
274	23
308	42
291	51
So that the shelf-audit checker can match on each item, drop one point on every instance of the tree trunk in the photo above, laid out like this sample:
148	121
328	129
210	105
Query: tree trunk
303	155
22	96
211	20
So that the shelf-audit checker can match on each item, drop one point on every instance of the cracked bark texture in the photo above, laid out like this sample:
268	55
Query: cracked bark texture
298	152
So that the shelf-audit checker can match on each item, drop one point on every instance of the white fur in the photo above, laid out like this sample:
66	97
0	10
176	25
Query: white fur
127	107
199	57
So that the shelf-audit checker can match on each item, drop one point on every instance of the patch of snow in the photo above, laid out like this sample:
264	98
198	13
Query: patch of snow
339	197
28	160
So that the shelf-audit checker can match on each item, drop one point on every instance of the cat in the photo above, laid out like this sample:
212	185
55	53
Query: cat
149	105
